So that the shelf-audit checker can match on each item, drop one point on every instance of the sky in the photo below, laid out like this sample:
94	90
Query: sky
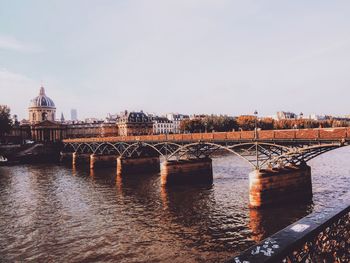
187	56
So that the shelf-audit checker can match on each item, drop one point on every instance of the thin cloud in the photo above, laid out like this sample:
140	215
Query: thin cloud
22	88
12	44
321	51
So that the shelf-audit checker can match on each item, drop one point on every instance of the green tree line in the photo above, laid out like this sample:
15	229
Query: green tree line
224	123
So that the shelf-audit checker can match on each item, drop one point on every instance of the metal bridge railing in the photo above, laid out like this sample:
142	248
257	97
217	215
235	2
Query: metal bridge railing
333	134
322	236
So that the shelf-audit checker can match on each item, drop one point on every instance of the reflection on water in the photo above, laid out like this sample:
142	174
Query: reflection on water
55	213
270	220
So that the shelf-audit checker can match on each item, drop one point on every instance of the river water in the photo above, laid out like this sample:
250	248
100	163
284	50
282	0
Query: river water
56	213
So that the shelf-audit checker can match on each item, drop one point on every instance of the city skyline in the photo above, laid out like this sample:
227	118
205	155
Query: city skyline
210	57
101	116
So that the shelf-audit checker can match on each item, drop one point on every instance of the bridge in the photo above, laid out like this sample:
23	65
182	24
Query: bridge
278	157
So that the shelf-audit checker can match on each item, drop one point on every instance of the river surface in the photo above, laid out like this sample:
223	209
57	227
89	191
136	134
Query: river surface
56	213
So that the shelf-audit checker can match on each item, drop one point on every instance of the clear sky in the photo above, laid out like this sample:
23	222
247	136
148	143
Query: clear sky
187	56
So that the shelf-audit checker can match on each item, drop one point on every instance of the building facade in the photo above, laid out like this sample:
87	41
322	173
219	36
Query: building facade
96	129
162	125
17	135
176	120
48	131
134	123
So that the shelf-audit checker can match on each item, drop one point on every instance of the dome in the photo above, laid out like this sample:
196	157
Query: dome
42	100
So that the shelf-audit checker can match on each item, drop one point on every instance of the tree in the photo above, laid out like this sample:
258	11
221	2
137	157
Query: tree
246	122
266	124
222	123
192	126
209	123
5	120
283	124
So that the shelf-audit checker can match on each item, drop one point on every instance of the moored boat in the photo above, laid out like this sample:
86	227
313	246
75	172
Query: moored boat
3	160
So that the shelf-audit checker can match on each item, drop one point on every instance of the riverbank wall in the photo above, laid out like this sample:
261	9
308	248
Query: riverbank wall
34	153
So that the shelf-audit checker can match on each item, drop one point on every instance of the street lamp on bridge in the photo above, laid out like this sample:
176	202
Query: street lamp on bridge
256	124
206	124
256	138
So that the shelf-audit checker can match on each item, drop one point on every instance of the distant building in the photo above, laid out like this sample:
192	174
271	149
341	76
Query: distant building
73	115
108	129
197	116
92	129
176	119
19	132
112	117
62	117
284	115
41	108
317	117
134	123
162	125
341	118
42	127
42	124
93	120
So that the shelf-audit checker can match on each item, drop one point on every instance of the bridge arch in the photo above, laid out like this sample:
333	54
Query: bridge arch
303	155
161	148
106	147
69	147
261	154
84	146
234	149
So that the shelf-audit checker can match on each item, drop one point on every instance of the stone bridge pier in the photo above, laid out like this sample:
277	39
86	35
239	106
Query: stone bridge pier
280	185
99	160
192	171
138	165
66	157
80	158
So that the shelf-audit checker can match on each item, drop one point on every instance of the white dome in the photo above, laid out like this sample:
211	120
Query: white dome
42	100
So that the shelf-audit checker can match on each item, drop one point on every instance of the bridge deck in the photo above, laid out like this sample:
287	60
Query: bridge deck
321	134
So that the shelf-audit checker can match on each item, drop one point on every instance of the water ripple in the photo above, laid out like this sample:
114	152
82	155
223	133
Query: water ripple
55	213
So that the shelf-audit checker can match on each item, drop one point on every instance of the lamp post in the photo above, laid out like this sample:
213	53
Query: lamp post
256	139
301	124
256	124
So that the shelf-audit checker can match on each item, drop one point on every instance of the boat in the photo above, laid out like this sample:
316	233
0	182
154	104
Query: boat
3	160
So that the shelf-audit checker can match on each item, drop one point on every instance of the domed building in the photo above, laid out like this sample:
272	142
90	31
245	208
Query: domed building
42	115
43	128
41	108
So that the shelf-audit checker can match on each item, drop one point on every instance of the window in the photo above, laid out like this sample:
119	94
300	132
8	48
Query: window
44	116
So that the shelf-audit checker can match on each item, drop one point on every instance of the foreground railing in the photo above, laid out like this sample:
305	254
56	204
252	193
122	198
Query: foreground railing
322	236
